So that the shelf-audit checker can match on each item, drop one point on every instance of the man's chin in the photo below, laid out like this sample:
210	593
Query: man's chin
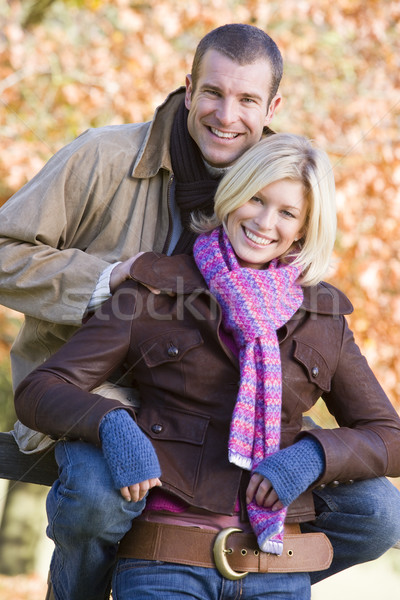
221	161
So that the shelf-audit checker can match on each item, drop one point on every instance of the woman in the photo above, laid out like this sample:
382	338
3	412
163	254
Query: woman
242	340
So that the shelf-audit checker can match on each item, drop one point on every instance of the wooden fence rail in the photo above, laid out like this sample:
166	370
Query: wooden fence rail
38	468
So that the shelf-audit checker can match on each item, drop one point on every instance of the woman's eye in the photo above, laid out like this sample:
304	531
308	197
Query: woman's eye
287	213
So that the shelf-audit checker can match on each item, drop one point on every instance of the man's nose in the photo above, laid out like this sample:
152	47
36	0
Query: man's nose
226	111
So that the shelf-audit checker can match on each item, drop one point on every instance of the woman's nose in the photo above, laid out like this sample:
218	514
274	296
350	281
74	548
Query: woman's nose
266	219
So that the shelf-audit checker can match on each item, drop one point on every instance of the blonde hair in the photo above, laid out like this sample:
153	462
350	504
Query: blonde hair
284	156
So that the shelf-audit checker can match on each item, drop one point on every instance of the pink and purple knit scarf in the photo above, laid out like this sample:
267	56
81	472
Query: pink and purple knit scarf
255	303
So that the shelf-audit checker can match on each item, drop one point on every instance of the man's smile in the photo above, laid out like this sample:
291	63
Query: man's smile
223	134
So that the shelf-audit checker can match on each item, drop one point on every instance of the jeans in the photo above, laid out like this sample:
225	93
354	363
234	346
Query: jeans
153	580
362	521
87	517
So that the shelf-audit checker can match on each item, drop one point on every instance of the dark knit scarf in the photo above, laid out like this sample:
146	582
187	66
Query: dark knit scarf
194	187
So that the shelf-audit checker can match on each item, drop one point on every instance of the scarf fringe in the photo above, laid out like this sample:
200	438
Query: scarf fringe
271	539
240	461
271	546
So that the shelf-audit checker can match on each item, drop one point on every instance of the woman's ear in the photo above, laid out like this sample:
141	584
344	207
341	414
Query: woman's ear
301	235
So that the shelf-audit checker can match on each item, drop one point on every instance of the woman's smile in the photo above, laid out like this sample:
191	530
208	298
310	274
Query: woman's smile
261	241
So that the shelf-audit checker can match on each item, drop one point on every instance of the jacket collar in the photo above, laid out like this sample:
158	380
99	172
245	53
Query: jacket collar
180	275
325	299
154	152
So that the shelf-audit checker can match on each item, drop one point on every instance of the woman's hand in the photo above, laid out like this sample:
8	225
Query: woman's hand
138	491
261	491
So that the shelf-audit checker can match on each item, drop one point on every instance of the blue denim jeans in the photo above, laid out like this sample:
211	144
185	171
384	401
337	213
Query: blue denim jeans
87	517
153	580
362	521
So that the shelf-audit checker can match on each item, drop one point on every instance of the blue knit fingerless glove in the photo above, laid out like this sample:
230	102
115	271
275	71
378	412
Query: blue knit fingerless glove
128	452
292	470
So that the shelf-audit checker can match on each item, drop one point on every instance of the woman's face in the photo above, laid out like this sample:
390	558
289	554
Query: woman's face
267	225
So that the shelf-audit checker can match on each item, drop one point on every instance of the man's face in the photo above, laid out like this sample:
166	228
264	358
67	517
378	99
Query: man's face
229	107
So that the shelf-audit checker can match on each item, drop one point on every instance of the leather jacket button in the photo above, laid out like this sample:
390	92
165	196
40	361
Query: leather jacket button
335	483
157	428
315	371
172	351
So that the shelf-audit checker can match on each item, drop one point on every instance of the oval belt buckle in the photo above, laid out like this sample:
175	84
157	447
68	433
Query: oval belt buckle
220	552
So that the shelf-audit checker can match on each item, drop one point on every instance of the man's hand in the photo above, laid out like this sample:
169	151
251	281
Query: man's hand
138	491
121	272
260	489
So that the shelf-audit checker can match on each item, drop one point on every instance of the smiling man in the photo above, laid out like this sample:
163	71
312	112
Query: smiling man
231	97
110	194
229	105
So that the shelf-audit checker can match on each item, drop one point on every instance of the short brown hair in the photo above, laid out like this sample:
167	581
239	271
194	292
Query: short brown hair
243	44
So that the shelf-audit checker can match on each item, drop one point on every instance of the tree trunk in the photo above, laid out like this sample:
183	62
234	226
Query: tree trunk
22	526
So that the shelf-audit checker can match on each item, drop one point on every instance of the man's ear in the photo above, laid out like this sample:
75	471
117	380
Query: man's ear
189	90
273	105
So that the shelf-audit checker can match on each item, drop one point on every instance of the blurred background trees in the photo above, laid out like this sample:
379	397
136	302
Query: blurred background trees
66	65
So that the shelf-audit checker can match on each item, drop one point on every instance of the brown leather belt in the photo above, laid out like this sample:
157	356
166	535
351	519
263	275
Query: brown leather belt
232	552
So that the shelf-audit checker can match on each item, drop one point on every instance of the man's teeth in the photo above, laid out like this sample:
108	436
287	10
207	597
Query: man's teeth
256	239
221	134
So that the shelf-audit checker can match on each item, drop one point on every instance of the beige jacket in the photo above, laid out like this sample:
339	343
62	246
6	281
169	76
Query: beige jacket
102	198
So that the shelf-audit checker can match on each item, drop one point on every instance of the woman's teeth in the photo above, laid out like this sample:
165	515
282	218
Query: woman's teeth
257	240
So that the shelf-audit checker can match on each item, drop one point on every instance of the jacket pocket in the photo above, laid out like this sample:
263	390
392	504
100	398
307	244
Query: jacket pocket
315	366
170	346
178	437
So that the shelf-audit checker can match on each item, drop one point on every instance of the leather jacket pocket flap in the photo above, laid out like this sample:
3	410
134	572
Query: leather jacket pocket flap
171	424
315	365
170	346
178	437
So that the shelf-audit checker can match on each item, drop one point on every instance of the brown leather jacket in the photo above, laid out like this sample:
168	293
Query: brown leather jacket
188	381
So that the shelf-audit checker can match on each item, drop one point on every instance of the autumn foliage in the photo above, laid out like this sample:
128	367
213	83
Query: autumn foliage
90	63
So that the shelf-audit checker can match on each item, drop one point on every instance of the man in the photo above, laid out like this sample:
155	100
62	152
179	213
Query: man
107	196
